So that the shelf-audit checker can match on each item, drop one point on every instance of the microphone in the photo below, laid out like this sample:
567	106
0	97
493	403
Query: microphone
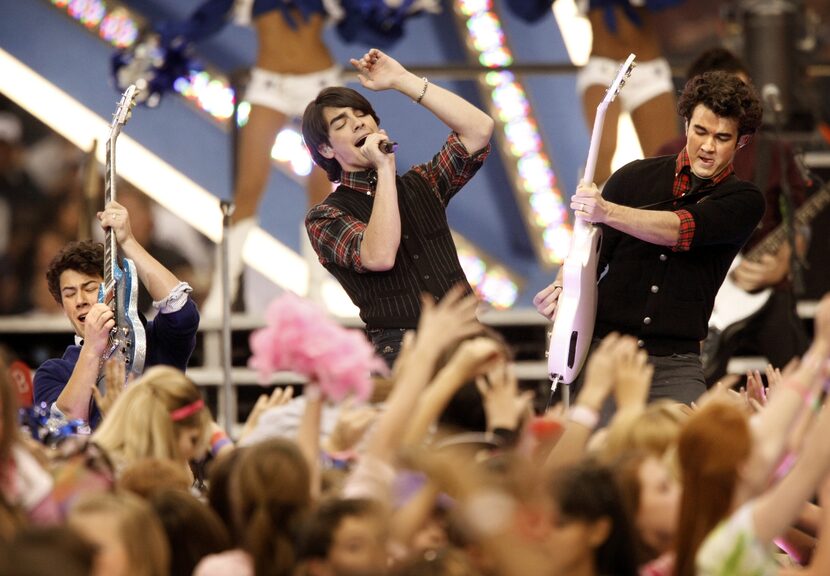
772	96
387	146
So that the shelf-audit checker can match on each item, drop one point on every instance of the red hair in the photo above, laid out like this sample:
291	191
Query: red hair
712	446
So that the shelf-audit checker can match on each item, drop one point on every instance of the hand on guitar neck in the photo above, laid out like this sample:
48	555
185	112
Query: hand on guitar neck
157	279
115	217
588	203
770	270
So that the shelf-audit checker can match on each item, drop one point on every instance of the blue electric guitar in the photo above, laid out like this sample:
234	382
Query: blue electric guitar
577	306
128	341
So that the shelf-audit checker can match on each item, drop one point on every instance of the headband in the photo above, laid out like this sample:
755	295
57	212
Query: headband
187	410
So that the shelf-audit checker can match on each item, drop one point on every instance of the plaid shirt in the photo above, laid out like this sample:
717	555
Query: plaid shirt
446	174
682	186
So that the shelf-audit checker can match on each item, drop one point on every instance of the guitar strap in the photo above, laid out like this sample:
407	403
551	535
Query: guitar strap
697	194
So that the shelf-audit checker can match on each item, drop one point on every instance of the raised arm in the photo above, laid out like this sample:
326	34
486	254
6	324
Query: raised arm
773	425
378	71
158	280
441	326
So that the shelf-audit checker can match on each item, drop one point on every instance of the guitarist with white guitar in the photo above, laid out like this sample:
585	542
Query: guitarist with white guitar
96	291
755	309
671	227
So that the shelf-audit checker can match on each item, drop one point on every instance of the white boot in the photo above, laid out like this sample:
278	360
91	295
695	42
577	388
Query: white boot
237	235
316	273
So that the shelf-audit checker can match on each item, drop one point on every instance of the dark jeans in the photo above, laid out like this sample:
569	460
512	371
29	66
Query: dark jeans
678	377
387	342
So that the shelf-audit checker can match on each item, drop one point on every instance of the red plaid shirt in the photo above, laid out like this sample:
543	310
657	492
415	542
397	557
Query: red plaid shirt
682	185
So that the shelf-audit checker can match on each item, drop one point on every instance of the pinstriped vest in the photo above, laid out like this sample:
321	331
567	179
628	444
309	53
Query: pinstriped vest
427	260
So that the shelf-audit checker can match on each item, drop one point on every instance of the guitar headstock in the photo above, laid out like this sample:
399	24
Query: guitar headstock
619	80
125	106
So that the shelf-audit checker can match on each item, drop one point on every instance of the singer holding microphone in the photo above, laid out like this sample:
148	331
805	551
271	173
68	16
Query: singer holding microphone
385	236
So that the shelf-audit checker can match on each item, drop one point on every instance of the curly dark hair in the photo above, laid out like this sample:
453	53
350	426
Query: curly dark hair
85	256
316	129
725	95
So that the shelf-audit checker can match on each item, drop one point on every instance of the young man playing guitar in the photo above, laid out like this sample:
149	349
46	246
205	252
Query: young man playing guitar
755	311
671	227
74	276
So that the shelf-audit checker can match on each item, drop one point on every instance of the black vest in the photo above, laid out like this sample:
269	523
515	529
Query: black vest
427	260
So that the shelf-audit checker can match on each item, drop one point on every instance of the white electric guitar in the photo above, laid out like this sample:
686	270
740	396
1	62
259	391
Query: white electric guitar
734	305
577	306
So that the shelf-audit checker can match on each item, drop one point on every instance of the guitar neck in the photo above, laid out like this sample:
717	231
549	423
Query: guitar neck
596	138
593	152
804	215
110	245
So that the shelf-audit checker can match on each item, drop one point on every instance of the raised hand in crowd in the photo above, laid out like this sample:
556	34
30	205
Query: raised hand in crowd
278	397
504	405
115	381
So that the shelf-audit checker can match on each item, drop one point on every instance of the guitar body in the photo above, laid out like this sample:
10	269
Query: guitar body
577	308
734	304
128	341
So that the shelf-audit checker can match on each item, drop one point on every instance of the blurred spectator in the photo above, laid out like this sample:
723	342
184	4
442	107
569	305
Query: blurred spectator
128	536
20	204
193	530
38	551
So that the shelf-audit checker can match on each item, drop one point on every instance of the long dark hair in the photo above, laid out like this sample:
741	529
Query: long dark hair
588	492
272	488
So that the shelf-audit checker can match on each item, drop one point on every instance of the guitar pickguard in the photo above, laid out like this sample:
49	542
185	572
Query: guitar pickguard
128	340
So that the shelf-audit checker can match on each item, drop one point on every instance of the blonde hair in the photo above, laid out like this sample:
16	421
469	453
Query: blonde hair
655	430
139	529
147	476
140	424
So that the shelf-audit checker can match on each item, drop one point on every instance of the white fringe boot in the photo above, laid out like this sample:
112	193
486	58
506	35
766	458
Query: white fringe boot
237	235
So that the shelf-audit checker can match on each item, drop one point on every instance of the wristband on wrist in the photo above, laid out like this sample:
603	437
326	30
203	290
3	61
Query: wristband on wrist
507	436
488	511
584	416
338	460
218	440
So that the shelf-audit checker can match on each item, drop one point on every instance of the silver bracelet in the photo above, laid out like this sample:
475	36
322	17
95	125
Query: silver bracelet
423	91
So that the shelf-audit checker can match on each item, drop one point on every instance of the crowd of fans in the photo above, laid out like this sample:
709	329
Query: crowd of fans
408	484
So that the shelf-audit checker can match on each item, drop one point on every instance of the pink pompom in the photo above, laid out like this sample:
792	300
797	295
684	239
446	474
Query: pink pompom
302	338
